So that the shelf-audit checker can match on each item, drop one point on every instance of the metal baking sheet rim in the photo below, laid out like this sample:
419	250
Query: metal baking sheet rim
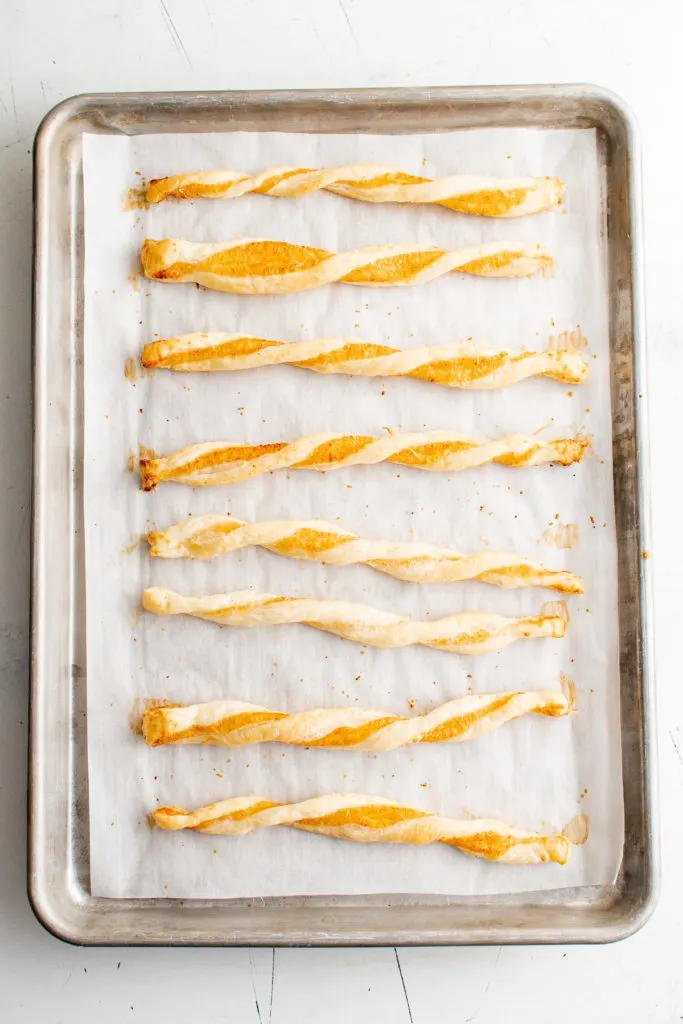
58	871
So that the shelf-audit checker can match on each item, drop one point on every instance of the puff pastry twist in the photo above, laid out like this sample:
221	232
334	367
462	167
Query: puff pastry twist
372	183
318	541
454	366
256	266
234	724
465	633
372	819
226	462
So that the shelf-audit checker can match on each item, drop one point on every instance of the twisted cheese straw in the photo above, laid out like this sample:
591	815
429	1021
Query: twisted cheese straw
454	366
225	462
372	183
373	819
257	266
318	541
465	633
231	723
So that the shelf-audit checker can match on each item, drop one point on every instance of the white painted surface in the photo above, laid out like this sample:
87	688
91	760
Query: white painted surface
49	51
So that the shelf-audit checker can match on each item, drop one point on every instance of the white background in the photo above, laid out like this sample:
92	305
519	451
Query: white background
51	50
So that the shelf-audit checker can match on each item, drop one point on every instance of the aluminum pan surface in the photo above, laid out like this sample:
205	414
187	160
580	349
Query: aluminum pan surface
58	869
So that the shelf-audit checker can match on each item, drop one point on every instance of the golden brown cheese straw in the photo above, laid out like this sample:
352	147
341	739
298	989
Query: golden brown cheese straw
236	724
465	633
371	183
261	266
371	819
226	462
453	366
213	535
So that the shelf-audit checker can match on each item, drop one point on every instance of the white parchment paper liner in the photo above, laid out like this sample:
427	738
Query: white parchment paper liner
534	773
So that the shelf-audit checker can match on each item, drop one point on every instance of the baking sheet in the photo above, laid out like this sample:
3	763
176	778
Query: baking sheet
535	773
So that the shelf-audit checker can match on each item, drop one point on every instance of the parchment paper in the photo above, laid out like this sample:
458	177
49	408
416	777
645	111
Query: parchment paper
536	772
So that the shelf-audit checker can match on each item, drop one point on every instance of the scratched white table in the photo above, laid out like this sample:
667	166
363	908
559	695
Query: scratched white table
50	50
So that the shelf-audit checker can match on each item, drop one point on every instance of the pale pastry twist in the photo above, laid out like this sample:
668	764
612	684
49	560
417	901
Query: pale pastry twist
256	266
226	462
318	541
373	819
372	183
464	633
232	723
454	366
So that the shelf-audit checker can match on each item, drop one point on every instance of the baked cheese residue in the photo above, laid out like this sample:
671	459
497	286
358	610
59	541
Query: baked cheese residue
562	535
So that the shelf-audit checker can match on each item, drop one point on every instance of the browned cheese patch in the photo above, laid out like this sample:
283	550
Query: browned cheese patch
488	264
558	710
487	202
262	259
518	571
461	369
158	354
390	178
374	816
428	454
393	268
491	845
556	623
476	636
275	179
348	736
352	351
564	582
393	565
223	456
205	733
306	542
517	458
182	187
254	259
455	727
199	190
245	812
336	450
226	526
